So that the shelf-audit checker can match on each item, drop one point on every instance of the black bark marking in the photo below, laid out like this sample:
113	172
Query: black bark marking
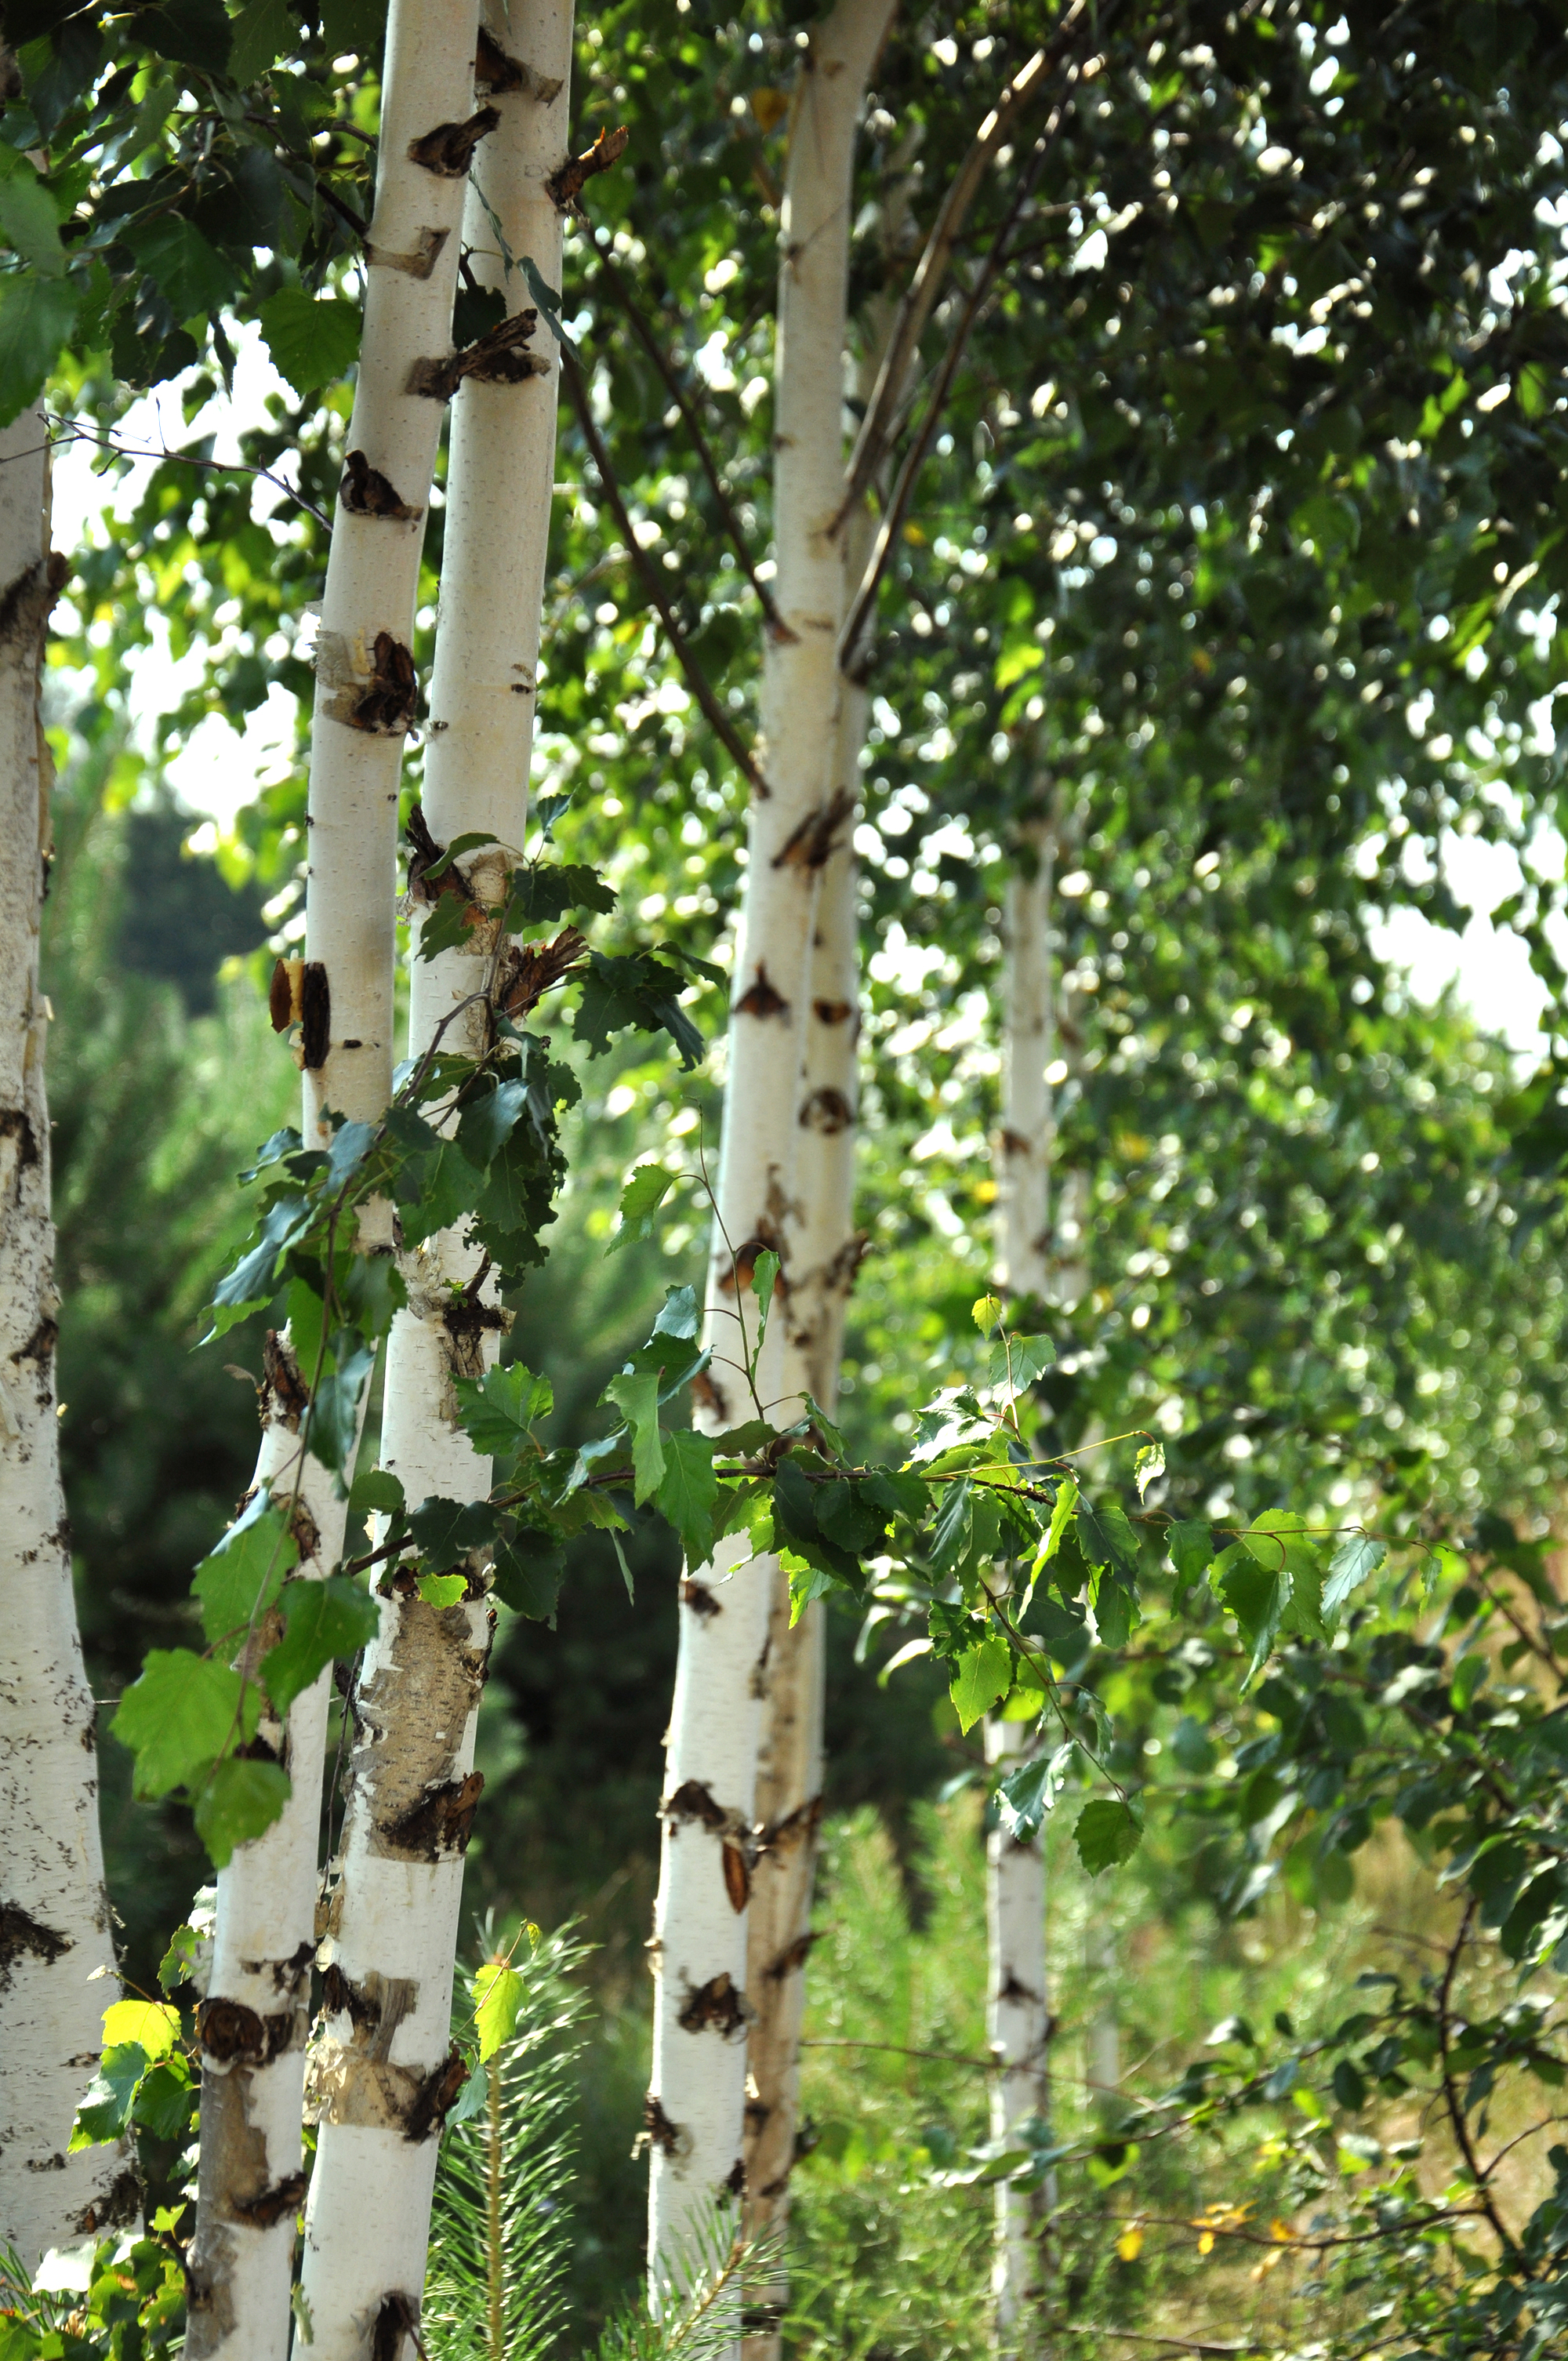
501	357
437	2096
22	1937
315	1015
119	2204
701	1599
826	1111
282	991
25	603
810	845
387	709
439	1826
734	2181
342	1997
832	1012
494	69
261	2212
792	1957
715	2007
288	1975
365	492
760	999
658	2131
397	2317
15	1124
41	1344
284	1393
448	150
566	185
694	1801
232	2034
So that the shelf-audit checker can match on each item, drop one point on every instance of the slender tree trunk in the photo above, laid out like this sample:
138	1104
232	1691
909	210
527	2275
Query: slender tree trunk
383	2071
253	2021
696	2105
54	1912
1018	2018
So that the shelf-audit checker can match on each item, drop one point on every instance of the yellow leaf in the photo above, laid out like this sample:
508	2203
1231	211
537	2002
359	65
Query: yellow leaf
912	533
148	2022
1206	2243
770	107
1282	2230
1130	2245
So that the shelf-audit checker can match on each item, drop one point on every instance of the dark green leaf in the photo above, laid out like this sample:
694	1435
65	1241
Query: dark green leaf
496	1411
529	1572
322	1620
243	1576
689	1492
644	1192
239	1801
444	1531
1108	1833
637	1397
37	316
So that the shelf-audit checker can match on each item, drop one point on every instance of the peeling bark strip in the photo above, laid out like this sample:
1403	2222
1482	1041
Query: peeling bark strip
441	1825
54	1922
264	2211
285	1396
499	358
531	970
231	2035
266	1894
448	150
365	492
494	69
315	1015
567	186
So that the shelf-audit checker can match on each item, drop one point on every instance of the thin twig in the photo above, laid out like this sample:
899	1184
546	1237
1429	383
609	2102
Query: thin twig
1455	2105
75	434
697	679
879	424
660	360
1147	2336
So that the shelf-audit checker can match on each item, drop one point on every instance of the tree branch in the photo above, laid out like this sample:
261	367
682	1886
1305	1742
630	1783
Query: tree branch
660	360
878	425
696	680
1455	2104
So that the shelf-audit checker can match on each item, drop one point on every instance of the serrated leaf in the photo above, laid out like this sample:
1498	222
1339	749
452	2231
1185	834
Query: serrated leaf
765	1279
376	1493
29	217
543	892
646	1192
334	1405
1108	1833
152	2024
1016	1362
528	1574
321	1620
1149	1467
448	926
985	1312
444	1531
239	1803
313	342
637	1397
262	32
192	277
951	1539
984	1674
37	316
488	1123
499	1994
496	1411
442	1590
689	1492
1026	1797
239	1580
1256	1597
1352	1564
1063	1508
179	1715
1191	1545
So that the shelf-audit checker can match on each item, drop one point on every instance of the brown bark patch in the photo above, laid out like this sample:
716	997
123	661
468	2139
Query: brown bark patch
742	1264
436	2097
25	603
810	845
845	1264
365	492
290	1975
23	1938
438	1826
448	150
283	993
231	2035
417	265
694	1801
41	1344
832	1012
709	1398
760	999
658	2131
737	1877
501	357
701	1599
285	1396
316	1010
261	2212
735	2179
715	2007
388	706
530	969
495	71
795	1827
792	1958
826	1111
566	185
15	1124
307	1536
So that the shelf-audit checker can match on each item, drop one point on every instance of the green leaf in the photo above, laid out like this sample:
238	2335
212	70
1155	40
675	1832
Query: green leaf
181	1713
334	1405
1016	1362
165	2098
192	277
496	1411
37	316
179	1958
765	1279
544	892
1107	1834
528	1574
985	1312
376	1493
152	2024
984	1673
488	1123
1062	1510
28	216
238	1802
321	1620
499	1993
444	1531
1106	1536
1191	1545
1256	1597
637	1396
646	1192
1349	1567
951	1539
1149	1467
243	1576
1027	1797
449	1188
442	1590
688	1493
262	32
447	926
192	32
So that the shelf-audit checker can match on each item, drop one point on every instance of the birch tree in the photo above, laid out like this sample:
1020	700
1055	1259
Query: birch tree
696	2105
383	2057
253	2020
54	1912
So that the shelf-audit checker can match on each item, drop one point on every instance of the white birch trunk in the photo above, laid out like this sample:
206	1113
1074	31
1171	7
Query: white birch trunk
253	2020
381	2073
54	1912
696	2105
1017	2011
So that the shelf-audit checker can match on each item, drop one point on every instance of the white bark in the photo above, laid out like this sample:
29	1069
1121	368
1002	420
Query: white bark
253	2020
380	2073
697	2105
1015	1875
54	1912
